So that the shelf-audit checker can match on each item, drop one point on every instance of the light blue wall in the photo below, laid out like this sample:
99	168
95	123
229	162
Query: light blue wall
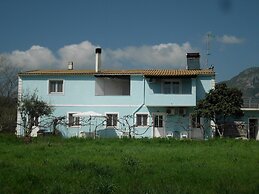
80	90
79	96
203	85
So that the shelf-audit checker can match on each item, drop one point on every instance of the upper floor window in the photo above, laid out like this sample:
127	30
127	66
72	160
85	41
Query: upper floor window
55	86
112	120
142	119
171	87
112	85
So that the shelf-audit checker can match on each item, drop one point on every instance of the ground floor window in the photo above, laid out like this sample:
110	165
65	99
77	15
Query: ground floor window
142	119
195	121
73	121
112	120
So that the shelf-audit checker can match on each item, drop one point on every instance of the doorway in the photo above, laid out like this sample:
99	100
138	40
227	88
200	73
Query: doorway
159	125
253	128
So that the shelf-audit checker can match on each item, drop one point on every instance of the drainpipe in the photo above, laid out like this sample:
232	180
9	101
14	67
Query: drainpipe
143	102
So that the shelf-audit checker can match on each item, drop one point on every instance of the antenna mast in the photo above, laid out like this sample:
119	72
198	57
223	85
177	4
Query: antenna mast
207	49
209	36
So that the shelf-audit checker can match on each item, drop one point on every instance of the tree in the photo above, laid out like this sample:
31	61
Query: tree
31	108
220	104
8	94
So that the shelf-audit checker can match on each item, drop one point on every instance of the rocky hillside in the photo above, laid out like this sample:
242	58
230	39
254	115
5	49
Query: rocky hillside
247	81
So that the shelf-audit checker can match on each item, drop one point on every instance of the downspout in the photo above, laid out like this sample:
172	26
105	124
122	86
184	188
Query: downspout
143	103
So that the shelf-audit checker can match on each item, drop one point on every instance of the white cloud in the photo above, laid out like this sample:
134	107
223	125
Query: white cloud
169	55
81	54
34	58
229	39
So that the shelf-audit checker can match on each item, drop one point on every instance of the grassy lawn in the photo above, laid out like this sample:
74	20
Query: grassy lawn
56	165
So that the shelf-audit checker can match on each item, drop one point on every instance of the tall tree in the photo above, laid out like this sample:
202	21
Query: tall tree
220	103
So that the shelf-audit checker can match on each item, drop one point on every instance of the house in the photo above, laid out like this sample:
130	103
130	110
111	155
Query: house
250	120
116	103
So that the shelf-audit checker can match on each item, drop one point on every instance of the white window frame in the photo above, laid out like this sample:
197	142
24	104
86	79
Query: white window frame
142	113
112	113
73	126
171	86
163	120
55	80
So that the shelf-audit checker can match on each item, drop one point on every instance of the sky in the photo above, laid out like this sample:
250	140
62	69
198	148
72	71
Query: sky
133	34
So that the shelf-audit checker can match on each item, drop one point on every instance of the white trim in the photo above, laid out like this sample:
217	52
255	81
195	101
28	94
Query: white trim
118	117
56	93
142	113
250	109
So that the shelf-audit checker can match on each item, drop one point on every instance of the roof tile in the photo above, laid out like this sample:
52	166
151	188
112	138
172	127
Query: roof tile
148	72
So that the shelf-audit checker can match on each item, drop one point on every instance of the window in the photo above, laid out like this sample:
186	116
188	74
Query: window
112	85
171	87
158	121
55	86
73	121
112	120
196	121
176	87
142	119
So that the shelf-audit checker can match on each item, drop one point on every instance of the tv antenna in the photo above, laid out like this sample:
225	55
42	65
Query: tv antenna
208	39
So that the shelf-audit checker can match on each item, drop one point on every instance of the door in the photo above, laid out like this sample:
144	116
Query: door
253	128
159	125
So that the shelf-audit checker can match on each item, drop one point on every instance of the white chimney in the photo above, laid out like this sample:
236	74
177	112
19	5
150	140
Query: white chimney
98	52
70	65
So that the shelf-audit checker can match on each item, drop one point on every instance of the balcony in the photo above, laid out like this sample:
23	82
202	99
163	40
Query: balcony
171	100
251	103
180	92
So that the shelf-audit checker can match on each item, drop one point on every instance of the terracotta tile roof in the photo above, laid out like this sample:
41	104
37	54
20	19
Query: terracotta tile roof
148	72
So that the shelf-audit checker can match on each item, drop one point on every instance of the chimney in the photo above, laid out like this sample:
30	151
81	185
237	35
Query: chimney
98	52
193	60
70	65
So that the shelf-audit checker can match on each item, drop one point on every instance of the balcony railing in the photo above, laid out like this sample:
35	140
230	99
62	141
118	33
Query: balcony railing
251	103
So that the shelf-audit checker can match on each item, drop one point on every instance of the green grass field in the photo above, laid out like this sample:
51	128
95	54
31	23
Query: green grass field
56	165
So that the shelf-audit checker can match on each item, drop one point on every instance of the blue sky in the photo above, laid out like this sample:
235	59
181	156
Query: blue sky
134	34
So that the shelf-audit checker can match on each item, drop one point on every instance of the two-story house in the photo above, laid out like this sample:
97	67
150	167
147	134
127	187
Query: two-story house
142	103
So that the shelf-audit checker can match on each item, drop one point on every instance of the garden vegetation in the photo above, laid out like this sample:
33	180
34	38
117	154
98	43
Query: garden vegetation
59	165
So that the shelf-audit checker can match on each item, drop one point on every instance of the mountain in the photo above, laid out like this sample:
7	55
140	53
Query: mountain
247	81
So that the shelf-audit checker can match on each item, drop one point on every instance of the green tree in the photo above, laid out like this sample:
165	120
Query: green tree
31	108
8	94
220	104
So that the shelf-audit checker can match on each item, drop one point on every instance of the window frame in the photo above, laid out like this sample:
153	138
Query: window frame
56	86
159	123
195	122
142	121
171	81
112	113
75	123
